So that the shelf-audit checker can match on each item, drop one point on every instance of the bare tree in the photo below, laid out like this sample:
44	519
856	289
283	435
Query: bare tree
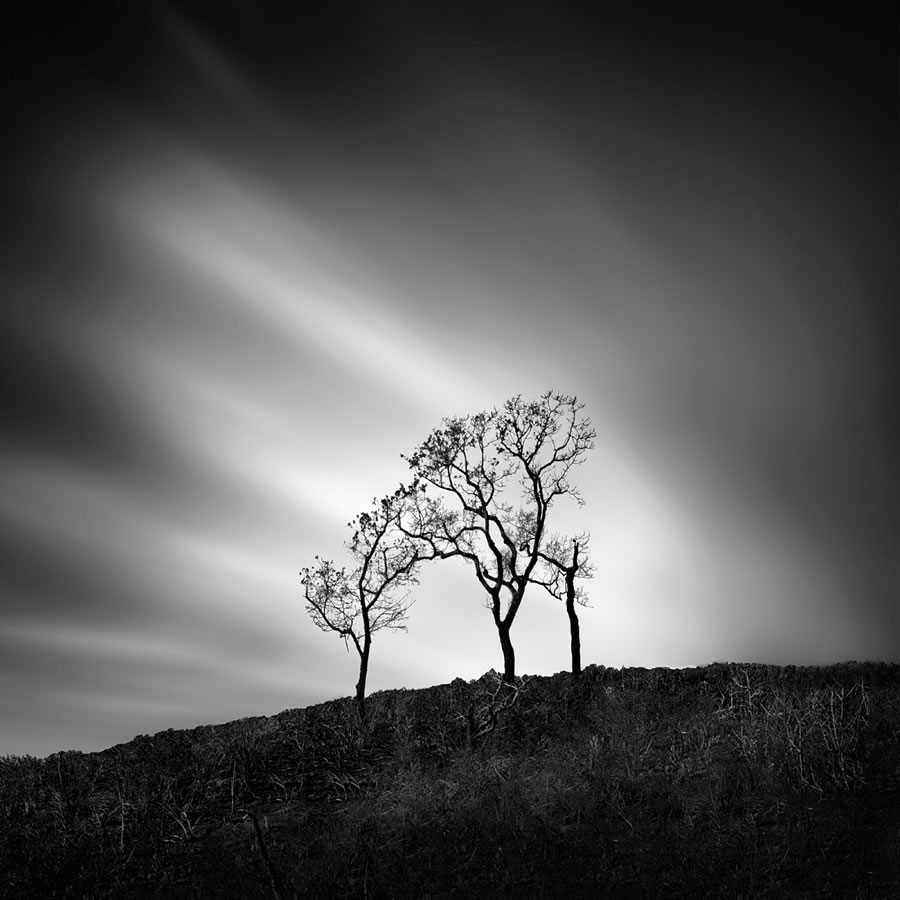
496	475
561	567
374	593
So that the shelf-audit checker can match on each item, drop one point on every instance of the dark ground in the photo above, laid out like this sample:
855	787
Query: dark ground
735	781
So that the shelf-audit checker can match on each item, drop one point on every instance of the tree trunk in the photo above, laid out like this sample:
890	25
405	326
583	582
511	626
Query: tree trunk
575	632
361	684
509	654
574	628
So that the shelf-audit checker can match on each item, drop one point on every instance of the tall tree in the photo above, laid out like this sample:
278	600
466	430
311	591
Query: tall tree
563	562
374	592
494	477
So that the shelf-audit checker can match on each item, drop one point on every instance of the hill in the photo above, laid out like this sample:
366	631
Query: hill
736	781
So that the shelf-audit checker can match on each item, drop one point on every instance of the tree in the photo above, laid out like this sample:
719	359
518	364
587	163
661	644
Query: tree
374	593
560	569
497	474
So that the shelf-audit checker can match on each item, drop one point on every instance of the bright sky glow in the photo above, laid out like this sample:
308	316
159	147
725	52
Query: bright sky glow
242	290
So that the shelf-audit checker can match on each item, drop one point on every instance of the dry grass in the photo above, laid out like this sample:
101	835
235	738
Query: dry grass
729	781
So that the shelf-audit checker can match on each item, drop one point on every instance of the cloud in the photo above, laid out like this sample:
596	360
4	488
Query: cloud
244	253
243	281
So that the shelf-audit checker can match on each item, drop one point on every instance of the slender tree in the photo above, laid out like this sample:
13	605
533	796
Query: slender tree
374	592
493	478
564	561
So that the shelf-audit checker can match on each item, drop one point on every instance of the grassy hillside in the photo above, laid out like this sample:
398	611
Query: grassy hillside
733	781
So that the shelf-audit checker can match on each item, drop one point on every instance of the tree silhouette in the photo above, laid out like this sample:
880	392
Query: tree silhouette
496	475
561	566
374	593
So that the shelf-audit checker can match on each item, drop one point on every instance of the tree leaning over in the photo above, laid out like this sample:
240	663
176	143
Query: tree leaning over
374	593
483	488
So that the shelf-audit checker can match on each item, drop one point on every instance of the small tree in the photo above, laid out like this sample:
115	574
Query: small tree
497	475
373	594
561	567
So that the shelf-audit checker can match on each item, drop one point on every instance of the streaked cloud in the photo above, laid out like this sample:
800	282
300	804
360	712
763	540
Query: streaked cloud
243	283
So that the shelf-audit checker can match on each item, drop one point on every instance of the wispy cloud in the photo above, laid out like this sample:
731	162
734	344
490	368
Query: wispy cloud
242	287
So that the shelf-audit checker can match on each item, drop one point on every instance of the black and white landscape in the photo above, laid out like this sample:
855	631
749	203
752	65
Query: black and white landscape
252	253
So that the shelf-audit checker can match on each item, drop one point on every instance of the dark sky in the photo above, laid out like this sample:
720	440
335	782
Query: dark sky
251	254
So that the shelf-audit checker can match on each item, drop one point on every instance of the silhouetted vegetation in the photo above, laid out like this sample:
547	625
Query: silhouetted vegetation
494	477
473	460
373	595
736	781
560	569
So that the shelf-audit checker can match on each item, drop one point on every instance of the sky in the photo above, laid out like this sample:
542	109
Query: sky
252	256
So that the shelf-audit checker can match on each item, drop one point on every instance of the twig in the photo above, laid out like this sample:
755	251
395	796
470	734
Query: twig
274	880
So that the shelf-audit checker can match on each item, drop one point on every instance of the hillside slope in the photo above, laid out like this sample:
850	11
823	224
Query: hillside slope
725	781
